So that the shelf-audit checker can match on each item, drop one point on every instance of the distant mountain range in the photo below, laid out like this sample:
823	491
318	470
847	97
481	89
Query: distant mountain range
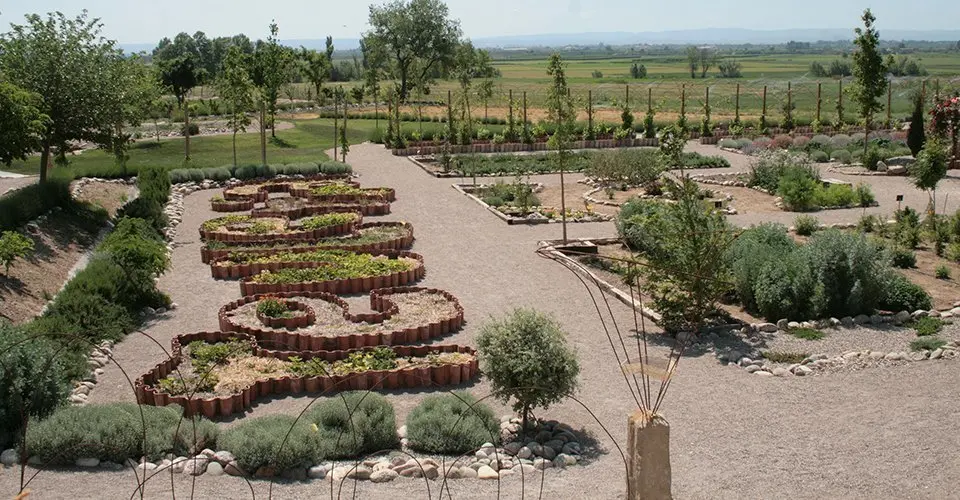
697	36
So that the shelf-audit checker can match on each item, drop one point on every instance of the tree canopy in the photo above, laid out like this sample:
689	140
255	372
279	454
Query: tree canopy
22	123
417	38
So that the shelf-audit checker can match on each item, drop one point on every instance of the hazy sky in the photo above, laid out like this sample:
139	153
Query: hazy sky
137	21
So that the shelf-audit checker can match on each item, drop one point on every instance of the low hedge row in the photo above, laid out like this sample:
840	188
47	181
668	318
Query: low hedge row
39	360
252	171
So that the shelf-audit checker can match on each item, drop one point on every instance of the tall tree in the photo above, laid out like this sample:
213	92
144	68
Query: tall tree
22	123
707	59
180	75
693	60
869	74
417	37
916	136
373	73
236	89
469	63
130	89
485	93
315	66
563	115
272	62
61	60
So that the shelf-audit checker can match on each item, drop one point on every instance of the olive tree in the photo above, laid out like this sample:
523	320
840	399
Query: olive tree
61	60
527	358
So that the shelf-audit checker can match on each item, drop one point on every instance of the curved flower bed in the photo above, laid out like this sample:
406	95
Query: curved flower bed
259	191
296	208
296	315
249	229
383	301
342	193
424	366
342	274
223	205
363	241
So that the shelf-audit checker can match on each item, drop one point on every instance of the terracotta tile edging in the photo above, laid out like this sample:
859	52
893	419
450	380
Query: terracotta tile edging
339	286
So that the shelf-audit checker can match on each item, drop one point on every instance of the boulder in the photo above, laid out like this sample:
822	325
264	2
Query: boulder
383	476
87	462
485	472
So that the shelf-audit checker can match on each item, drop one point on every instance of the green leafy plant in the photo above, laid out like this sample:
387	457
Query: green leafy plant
943	272
451	424
352	424
272	307
526	357
927	344
805	225
13	246
806	333
927	326
900	294
903	258
204	355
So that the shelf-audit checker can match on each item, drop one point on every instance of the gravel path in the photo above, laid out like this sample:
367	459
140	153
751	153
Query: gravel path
853	435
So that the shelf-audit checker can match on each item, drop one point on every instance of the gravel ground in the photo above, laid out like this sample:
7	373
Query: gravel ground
734	435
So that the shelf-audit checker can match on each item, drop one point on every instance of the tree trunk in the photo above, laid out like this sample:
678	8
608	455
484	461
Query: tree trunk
336	120
156	127
234	147
186	121
263	133
273	121
866	136
44	162
648	457
403	88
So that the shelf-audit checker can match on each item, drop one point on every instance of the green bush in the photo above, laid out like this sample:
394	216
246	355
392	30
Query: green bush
943	272
819	156
900	294
23	205
217	174
146	209
798	189
13	246
633	167
31	384
638	222
354	424
903	258
907	227
863	196
769	167
753	248
927	326
836	195
116	432
805	225
277	441
841	156
526	357
451	424
729	143
335	168
872	157
493	201
784	287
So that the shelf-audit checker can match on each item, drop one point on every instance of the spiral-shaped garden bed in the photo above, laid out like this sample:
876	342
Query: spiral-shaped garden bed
177	381
401	315
232	205
400	241
381	270
244	229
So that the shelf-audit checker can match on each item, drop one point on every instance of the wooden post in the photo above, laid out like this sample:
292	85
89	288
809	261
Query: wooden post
589	113
648	457
790	103
819	89
764	112
736	113
839	104
186	123
526	130
343	155
450	114
510	103
683	101
649	99
628	96
889	102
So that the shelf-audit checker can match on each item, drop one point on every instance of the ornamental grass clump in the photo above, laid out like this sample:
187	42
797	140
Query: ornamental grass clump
451	424
526	356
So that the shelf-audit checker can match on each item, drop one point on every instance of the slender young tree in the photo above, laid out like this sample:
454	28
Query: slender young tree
869	74
916	136
130	89
563	114
237	90
60	60
271	71
180	75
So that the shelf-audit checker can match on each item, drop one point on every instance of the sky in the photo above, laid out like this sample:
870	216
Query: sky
133	21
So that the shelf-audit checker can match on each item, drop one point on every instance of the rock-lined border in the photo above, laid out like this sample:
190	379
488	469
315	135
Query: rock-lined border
379	302
533	217
412	377
292	235
588	197
516	147
338	286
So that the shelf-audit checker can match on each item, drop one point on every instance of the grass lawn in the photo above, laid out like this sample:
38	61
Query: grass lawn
306	141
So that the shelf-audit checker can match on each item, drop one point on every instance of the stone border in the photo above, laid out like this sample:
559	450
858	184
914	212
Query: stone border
402	378
379	302
516	147
511	220
343	286
551	247
729	210
208	255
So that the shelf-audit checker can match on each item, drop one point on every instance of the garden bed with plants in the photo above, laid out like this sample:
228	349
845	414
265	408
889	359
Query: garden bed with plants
331	271
399	315
517	203
515	147
370	237
219	204
219	374
250	230
343	193
259	190
297	208
840	148
796	181
341	263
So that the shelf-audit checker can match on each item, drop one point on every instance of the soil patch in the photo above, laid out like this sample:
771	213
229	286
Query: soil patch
108	195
